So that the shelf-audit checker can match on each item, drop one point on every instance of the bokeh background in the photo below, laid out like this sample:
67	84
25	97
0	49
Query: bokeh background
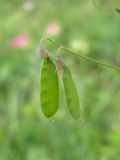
92	27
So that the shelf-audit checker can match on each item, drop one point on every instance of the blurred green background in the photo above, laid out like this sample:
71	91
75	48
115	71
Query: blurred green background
92	27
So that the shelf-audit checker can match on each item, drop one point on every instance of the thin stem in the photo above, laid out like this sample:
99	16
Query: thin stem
81	55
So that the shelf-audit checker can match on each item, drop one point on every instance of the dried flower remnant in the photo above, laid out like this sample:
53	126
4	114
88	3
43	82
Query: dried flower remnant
43	52
59	63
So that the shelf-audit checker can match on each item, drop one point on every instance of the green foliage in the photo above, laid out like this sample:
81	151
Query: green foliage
106	6
117	10
24	132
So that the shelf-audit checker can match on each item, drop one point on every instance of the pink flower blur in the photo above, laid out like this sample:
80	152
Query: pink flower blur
19	41
28	5
53	28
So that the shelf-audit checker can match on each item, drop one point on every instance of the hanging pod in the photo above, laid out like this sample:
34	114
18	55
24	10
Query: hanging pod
49	87
72	96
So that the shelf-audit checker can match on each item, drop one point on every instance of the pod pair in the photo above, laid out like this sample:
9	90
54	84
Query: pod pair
49	88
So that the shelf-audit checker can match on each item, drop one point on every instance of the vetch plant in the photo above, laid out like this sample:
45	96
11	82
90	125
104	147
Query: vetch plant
49	83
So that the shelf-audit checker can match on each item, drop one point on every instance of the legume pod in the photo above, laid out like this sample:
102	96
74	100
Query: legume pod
49	87
71	93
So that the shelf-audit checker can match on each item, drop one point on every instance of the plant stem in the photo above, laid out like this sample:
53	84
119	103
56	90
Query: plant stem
80	55
83	56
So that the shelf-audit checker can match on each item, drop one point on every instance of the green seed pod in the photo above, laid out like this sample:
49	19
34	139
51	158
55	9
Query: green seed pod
49	87
71	93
